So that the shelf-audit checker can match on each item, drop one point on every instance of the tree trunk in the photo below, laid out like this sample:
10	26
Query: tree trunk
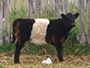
46	7
53	6
7	38
3	8
58	8
1	25
42	3
65	6
82	29
50	4
38	8
9	5
88	20
15	4
30	8
22	2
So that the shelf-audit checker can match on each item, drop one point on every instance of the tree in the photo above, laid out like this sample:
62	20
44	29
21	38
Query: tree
46	7
30	8
9	5
53	5
38	8
58	8
82	36
22	2
65	6
15	3
88	20
1	26
7	38
3	8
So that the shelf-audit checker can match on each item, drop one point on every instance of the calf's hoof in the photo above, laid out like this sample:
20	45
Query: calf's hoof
17	62
61	60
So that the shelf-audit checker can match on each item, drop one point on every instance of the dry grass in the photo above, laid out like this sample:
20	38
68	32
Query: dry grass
34	61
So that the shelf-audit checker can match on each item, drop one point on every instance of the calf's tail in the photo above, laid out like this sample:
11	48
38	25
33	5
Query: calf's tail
14	30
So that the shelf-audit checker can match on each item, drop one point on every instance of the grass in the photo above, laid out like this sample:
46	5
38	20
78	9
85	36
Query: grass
34	61
6	48
1	66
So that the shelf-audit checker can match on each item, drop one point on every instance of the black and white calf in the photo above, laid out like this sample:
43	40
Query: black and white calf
43	31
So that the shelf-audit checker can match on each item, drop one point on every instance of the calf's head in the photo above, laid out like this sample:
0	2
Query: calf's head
69	19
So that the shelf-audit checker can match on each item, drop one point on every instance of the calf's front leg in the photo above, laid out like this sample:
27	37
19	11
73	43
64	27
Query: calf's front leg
59	51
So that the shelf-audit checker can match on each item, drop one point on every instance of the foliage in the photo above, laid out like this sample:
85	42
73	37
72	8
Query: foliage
20	13
17	13
49	14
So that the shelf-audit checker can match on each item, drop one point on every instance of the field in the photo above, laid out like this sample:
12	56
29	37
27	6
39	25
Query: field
32	56
75	55
34	61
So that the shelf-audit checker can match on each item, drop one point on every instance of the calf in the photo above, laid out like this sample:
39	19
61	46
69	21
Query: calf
42	32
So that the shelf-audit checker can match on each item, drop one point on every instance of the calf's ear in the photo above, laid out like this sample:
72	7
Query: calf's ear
33	21
76	15
63	16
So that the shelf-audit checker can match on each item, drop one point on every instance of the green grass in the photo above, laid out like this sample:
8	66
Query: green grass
34	49
6	48
68	49
1	66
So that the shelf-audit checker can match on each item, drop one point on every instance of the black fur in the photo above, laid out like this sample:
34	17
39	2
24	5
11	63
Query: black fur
23	32
57	32
25	28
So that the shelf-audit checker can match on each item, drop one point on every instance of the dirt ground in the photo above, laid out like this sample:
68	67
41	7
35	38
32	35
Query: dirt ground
34	61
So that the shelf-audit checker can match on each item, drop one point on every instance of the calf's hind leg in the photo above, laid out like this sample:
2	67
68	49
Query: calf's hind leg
17	52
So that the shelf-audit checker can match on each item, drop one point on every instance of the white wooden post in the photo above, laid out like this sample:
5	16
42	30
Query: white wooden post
1	25
88	20
7	38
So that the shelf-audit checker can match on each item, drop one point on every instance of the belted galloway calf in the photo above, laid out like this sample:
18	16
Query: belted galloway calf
42	32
